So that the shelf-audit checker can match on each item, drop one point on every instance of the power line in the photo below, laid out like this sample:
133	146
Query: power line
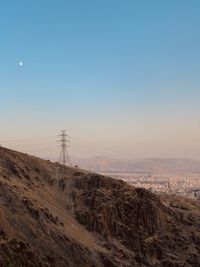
41	143
28	139
104	148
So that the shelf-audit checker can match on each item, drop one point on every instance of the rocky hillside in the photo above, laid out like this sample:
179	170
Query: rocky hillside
86	220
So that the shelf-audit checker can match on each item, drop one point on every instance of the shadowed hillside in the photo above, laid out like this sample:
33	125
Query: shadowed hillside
89	220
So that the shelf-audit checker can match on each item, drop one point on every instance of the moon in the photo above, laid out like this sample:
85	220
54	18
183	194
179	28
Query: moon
21	63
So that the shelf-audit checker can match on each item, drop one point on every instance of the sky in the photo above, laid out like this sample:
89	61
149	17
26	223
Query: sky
122	77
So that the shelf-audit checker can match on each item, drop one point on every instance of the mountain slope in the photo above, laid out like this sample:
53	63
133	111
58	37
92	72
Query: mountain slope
89	220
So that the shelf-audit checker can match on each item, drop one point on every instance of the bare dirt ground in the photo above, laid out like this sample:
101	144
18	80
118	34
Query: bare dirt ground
87	219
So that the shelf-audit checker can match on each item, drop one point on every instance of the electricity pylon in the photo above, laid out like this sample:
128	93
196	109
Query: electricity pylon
64	158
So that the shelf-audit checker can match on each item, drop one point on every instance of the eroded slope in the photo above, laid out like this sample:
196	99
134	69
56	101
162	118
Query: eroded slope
89	220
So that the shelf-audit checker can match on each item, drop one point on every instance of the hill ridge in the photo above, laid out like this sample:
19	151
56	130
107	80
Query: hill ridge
89	220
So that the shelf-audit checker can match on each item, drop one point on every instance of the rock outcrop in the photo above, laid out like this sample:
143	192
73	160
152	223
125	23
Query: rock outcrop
89	220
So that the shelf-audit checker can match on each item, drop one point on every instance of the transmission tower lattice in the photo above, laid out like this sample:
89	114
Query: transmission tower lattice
64	158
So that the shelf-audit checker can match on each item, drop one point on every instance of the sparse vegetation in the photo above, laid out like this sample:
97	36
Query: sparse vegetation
128	224
178	206
78	173
15	260
81	218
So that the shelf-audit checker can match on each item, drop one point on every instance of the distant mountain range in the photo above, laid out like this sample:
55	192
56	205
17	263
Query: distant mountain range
147	165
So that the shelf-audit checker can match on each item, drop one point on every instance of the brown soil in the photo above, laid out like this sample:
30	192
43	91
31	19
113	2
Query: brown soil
89	220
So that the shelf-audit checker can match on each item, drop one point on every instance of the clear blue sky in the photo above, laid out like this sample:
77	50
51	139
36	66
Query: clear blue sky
123	74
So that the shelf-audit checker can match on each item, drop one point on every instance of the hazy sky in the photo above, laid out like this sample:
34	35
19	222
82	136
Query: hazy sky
122	77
